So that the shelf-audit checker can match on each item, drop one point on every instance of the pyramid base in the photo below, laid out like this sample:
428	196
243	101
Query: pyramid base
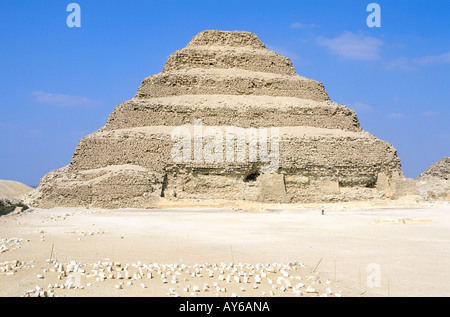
131	186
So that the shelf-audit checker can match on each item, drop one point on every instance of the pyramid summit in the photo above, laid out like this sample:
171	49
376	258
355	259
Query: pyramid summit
230	63
226	119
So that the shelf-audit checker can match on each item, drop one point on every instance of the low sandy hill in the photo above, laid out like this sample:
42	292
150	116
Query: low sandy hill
13	188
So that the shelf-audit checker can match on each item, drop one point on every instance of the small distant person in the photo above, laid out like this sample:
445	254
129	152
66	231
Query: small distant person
322	210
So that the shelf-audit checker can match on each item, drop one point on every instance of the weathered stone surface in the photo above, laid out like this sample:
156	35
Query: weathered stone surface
439	170
8	204
434	183
227	110
227	39
227	80
230	82
257	60
115	186
396	185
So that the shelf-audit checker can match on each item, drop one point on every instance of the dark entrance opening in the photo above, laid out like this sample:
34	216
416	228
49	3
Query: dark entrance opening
251	177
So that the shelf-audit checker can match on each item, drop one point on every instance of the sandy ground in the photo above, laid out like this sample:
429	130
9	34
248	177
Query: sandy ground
355	252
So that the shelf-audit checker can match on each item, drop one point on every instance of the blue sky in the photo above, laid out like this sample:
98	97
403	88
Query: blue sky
59	84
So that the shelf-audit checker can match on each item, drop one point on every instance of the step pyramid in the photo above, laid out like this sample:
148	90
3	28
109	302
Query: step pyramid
226	119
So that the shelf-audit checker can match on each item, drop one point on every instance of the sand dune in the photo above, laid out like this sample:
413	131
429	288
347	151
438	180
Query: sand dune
13	188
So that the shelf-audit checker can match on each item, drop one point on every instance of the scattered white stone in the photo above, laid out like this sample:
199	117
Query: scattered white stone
297	292
43	294
240	273
172	292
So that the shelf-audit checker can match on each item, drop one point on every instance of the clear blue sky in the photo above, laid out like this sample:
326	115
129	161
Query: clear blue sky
58	84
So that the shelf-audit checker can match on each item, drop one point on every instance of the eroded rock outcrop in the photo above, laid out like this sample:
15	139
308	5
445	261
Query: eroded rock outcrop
434	183
9	204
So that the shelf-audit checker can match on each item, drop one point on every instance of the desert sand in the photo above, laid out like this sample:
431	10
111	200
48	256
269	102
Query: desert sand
13	188
356	249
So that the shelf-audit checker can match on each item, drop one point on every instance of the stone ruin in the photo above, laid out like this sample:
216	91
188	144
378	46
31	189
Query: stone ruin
224	80
434	182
